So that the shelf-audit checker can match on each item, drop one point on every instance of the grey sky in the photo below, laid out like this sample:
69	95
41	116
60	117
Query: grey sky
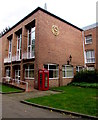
78	12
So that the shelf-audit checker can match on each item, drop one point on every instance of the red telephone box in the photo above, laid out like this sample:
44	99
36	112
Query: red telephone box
43	79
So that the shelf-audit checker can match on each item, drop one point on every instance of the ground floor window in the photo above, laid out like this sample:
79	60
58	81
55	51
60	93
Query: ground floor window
67	71
8	72
17	74
53	70
29	72
79	68
90	68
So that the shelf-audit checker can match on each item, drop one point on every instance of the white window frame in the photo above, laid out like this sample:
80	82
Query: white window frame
10	49
88	38
32	43
19	39
86	59
53	69
7	71
66	71
90	68
28	70
78	70
17	75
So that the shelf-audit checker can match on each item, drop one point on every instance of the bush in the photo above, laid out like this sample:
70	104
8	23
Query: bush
85	84
86	76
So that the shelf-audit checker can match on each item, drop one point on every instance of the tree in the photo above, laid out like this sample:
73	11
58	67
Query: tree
4	31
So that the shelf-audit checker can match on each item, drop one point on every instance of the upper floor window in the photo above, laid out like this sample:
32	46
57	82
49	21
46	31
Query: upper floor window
53	70
19	39
10	49
91	68
88	39
67	71
90	56
31	42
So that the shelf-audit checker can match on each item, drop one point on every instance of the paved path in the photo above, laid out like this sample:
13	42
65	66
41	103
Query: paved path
12	108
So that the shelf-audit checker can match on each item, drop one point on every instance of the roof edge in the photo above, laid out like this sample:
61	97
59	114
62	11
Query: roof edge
34	11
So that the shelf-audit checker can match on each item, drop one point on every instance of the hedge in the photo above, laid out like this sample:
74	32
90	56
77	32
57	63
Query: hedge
86	76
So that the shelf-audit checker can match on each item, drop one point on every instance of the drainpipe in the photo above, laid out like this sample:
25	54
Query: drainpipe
84	48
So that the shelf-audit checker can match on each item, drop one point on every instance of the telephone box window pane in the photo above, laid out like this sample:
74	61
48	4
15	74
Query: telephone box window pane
46	80
41	77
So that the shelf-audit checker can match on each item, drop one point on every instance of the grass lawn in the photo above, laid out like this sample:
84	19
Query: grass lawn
74	98
7	89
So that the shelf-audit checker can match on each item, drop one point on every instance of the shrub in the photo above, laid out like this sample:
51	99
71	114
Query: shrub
86	76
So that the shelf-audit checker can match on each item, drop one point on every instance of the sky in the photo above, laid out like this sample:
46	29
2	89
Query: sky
78	12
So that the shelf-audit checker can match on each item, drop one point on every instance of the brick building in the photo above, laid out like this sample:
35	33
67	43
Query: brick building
43	40
90	47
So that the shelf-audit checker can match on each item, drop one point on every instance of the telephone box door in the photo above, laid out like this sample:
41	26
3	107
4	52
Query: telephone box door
40	79
46	80
43	79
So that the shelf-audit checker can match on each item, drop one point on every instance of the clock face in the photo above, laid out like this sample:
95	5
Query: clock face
55	30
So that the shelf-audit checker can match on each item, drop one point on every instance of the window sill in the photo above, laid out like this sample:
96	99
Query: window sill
53	78
68	77
88	43
29	78
90	62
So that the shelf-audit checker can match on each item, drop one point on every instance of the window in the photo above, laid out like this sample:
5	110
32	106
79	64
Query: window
29	71
67	71
31	42
17	73
90	56
19	38
90	68
79	68
53	70
88	39
10	49
8	72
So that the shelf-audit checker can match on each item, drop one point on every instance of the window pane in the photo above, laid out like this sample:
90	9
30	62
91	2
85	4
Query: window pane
55	73
31	66
52	66
68	71
50	73
46	67
33	35
26	73
31	74
63	73
88	39
69	74
29	39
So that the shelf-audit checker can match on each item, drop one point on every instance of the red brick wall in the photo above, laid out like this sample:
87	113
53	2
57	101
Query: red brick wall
93	45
